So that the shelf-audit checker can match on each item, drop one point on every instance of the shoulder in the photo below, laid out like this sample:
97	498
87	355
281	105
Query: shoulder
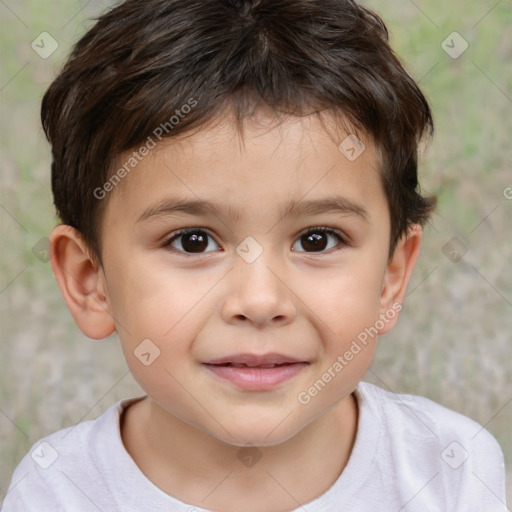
421	416
51	471
421	437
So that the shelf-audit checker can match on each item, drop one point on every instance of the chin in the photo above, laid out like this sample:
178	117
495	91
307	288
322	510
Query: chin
254	433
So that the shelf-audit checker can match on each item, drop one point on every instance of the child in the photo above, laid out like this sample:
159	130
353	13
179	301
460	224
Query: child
237	184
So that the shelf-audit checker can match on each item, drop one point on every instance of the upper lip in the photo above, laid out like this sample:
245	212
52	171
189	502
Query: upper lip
256	360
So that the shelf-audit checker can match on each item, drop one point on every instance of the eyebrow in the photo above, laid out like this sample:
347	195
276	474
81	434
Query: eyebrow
334	204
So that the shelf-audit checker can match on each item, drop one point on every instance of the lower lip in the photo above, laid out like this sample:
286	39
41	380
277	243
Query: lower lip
256	379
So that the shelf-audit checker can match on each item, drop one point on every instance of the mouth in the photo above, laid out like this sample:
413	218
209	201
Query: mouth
253	360
254	372
247	365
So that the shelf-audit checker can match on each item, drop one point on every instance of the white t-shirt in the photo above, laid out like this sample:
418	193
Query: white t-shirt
410	455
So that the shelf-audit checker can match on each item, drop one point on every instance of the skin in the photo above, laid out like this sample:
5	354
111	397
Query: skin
186	435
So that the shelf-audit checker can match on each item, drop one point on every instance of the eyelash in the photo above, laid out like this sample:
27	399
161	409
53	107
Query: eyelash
329	231
320	229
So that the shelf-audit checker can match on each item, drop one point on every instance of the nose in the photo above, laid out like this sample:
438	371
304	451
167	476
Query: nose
257	294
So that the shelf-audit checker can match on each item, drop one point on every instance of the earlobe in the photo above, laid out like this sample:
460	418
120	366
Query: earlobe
398	273
81	281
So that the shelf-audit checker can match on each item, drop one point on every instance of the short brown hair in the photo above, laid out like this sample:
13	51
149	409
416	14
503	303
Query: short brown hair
145	59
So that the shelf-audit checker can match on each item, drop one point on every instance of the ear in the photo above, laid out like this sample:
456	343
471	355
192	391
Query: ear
397	276
81	281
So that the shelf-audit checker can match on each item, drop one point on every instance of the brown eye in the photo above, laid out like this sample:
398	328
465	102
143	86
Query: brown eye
193	241
317	240
314	241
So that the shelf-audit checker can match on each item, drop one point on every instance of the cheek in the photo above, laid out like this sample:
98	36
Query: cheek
348	300
153	301
346	305
154	313
347	308
166	381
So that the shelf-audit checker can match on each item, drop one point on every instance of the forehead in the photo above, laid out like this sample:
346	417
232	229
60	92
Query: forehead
292	137
266	166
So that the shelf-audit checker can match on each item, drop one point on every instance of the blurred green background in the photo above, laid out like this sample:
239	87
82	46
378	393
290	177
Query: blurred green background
453	341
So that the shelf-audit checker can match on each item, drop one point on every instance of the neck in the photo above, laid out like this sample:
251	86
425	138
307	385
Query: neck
194	467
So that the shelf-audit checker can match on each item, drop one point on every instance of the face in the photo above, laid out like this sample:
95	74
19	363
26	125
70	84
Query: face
242	274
